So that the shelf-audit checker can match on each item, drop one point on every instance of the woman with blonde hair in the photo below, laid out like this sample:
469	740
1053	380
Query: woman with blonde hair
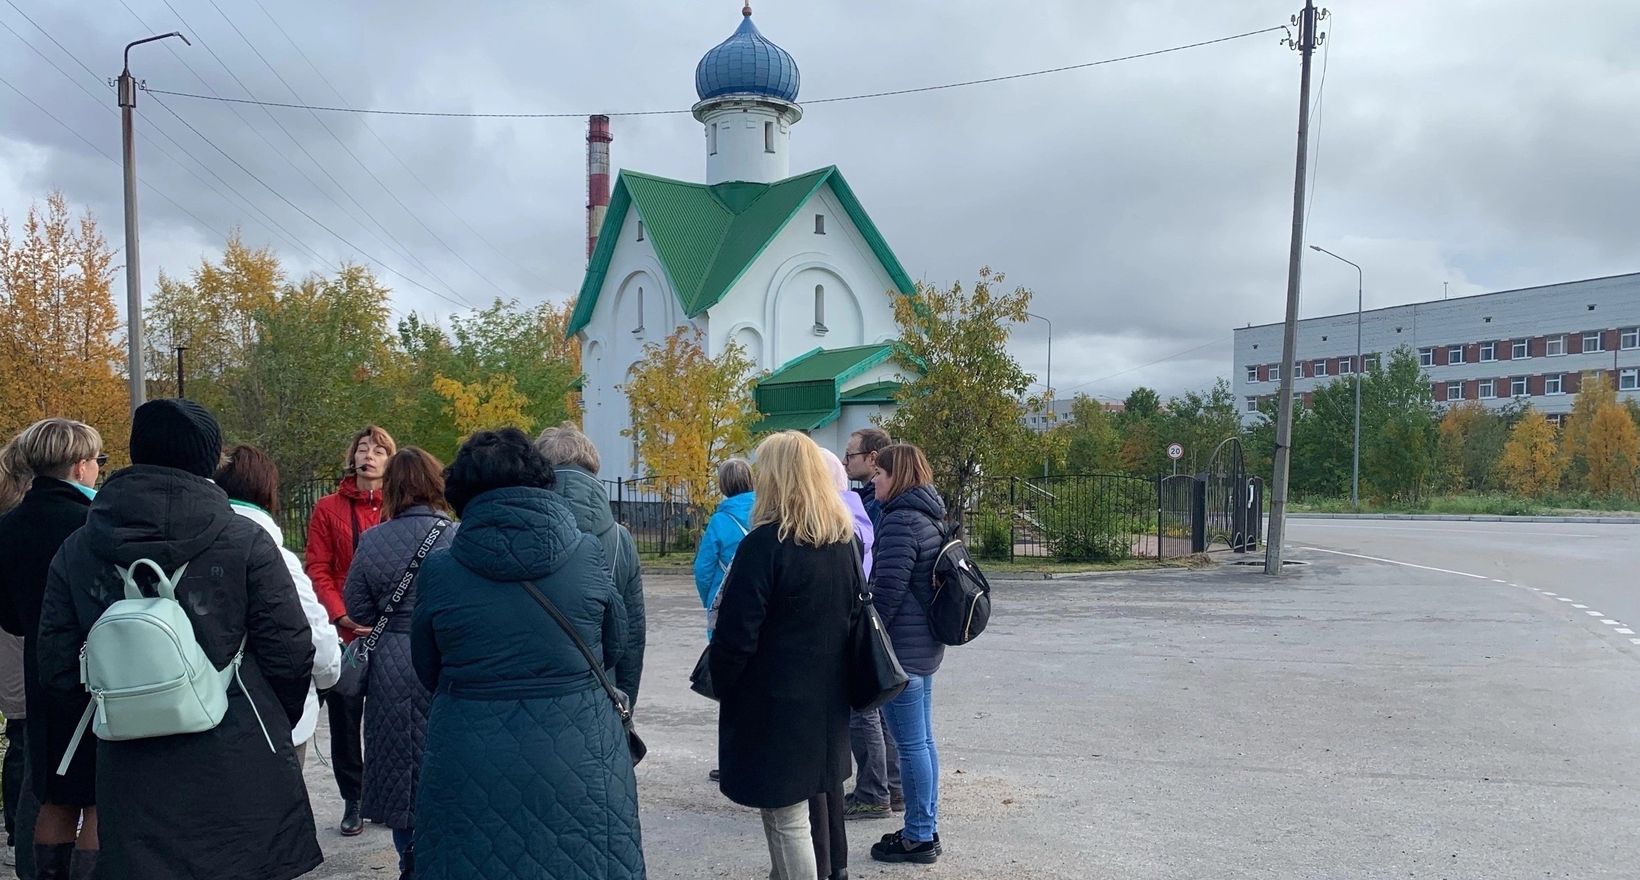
778	655
54	463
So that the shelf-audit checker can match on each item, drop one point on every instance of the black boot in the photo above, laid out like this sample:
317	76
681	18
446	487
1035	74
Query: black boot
82	864
51	860
352	825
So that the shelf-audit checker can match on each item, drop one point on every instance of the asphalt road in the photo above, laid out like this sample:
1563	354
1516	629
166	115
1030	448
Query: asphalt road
1594	565
1351	719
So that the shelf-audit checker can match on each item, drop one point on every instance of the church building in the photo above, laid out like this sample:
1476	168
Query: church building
790	267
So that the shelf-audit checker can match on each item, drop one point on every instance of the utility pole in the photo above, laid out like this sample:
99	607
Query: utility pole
1305	44
180	350
133	263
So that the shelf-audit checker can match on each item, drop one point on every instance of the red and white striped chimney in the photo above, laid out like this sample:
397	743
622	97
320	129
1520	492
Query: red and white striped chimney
598	138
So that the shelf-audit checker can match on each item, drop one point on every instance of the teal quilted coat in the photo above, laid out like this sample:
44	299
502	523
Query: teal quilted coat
525	772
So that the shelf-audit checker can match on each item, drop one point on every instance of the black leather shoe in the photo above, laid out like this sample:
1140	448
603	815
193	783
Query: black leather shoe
352	825
714	776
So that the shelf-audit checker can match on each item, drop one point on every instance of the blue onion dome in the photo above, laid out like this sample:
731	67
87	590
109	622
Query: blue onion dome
747	63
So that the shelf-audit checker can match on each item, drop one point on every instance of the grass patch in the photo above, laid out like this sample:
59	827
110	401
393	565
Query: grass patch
676	559
1044	565
1480	505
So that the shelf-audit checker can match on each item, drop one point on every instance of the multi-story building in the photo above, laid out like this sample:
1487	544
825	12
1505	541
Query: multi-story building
1533	345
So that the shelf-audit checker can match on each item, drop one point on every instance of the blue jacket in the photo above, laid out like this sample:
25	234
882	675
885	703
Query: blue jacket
902	575
868	500
526	770
729	523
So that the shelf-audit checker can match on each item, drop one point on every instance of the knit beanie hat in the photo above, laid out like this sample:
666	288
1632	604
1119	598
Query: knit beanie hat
176	433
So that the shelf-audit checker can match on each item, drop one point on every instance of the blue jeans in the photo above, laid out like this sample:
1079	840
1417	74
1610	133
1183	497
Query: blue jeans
910	717
403	838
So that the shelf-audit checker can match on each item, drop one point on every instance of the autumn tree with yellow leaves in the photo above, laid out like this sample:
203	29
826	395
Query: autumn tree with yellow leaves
690	411
1531	463
61	353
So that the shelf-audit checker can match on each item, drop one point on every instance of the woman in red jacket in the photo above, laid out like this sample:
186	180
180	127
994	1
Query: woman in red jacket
333	534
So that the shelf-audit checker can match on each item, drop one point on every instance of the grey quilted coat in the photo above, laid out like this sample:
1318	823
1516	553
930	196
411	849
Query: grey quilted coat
526	773
395	710
588	499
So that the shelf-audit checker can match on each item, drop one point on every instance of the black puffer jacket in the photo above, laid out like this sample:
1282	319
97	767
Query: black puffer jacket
228	806
395	715
902	575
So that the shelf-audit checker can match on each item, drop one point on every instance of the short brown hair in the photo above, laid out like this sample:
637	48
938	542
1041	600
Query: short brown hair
872	439
377	435
250	475
413	477
906	467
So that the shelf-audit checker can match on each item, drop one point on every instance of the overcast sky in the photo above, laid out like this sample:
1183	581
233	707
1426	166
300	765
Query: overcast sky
1488	145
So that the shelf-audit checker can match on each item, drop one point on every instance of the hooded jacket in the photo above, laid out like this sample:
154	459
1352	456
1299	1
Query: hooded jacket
588	500
327	654
333	535
228	805
526	772
902	575
724	531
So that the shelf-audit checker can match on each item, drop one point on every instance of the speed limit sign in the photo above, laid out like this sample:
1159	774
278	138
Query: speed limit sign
1175	451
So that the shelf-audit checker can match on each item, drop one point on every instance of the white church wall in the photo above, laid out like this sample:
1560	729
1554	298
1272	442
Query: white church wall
610	347
776	293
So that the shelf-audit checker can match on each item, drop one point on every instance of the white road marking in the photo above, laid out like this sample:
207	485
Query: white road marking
1612	622
1479	577
1562	599
1634	641
1546	592
1595	613
1296	522
1626	631
1580	606
1499	581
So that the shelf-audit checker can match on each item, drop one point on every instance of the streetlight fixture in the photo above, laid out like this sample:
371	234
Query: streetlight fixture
1049	382
133	265
1355	452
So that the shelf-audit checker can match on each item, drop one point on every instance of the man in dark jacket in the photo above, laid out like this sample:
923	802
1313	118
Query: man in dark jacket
877	763
575	463
228	802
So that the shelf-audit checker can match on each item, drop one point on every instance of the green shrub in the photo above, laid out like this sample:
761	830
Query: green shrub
1083	526
992	536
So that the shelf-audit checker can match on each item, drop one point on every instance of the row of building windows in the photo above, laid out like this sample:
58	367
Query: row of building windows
1482	352
1549	384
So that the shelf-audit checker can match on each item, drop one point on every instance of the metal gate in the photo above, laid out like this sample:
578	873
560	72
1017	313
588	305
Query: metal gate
1178	522
1231	518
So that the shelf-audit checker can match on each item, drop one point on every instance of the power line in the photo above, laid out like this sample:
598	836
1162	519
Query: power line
1320	98
860	97
316	221
99	150
391	152
169	155
354	156
385	237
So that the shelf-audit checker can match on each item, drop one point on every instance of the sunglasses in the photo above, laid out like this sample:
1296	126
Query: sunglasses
101	459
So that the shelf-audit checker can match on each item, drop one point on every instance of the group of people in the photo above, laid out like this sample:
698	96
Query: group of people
785	565
476	712
490	615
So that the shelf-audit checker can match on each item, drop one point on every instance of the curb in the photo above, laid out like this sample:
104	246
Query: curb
1454	517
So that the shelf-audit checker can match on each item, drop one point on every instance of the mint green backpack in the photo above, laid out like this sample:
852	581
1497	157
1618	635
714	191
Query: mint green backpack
147	675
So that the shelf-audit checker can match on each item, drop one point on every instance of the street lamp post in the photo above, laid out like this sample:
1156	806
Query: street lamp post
1050	378
180	349
133	265
1355	453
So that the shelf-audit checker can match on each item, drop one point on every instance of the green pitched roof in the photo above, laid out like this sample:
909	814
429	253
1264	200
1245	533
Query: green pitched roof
876	392
707	236
805	389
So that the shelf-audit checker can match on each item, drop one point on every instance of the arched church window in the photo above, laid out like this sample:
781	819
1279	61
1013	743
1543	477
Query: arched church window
819	224
819	309
638	330
768	137
711	139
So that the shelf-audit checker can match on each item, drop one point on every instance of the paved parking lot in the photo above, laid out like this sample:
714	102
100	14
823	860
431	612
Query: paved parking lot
1352	719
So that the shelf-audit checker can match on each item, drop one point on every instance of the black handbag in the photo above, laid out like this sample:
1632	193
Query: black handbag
875	675
700	680
634	743
355	678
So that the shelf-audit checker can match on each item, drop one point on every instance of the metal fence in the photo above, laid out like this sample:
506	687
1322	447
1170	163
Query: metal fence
1080	518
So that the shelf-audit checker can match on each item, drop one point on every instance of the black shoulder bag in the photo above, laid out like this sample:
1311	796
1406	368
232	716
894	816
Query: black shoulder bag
355	678
634	743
